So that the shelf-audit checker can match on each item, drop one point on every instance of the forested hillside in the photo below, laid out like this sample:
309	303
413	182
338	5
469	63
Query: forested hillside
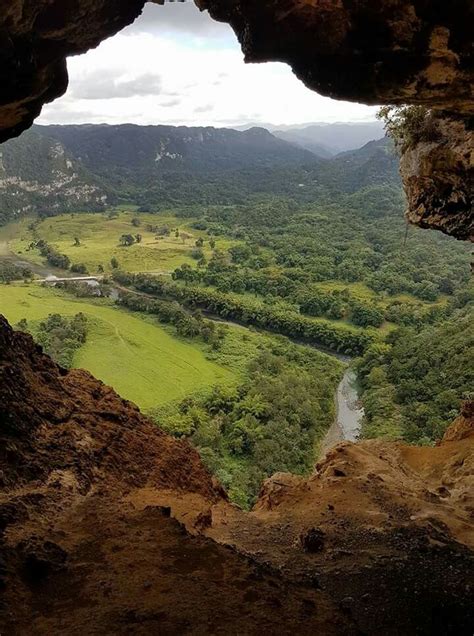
37	174
213	226
415	381
60	168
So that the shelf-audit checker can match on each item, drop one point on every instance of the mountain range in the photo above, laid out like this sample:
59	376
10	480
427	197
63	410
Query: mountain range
61	168
327	140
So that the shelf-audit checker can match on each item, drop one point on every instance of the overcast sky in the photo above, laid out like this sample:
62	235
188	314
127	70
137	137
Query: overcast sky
175	65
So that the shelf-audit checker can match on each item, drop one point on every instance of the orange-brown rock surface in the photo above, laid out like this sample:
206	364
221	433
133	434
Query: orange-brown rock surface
107	525
439	179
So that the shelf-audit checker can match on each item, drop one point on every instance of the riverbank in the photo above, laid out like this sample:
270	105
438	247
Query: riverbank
349	414
346	425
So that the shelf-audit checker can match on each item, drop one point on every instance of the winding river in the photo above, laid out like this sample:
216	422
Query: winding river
349	413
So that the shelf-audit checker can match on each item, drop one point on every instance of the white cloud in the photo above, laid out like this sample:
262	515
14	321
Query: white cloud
157	75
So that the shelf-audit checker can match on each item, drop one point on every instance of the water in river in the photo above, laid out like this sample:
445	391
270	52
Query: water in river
347	423
349	413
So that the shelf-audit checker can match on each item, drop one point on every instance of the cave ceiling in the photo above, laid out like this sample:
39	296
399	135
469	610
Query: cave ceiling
390	52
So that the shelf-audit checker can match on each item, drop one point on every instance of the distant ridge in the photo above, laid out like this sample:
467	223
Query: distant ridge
326	140
53	169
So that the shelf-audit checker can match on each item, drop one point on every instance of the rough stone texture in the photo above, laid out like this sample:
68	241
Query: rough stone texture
36	37
397	51
439	179
110	526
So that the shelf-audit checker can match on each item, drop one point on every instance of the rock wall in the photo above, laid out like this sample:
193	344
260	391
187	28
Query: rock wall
35	39
108	525
397	52
439	179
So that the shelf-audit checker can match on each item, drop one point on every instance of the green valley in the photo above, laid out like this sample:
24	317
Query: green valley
139	358
228	307
93	240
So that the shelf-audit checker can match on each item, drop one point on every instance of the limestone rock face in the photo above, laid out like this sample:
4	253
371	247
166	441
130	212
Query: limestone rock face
402	51
439	179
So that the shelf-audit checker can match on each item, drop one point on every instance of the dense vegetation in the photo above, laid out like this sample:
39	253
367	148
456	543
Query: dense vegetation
414	382
59	336
249	311
269	423
358	238
54	258
408	125
190	325
10	272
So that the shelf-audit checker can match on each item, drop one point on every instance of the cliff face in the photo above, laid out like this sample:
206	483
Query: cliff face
404	51
107	525
439	179
77	552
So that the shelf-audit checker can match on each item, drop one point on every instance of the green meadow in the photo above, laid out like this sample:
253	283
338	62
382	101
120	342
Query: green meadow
139	358
99	238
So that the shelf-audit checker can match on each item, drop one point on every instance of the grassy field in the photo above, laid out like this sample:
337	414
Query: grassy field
99	240
140	359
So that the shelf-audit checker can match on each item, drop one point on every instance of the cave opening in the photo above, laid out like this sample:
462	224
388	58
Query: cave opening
109	524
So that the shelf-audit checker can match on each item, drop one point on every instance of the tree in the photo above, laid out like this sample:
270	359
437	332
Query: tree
126	240
197	253
240	253
79	268
77	242
136	222
212	243
408	125
138	238
114	263
199	242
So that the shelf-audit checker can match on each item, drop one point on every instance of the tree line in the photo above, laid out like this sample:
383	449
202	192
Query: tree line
59	336
245	311
189	325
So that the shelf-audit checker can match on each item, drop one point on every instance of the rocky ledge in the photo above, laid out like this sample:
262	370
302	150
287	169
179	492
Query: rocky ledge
108	525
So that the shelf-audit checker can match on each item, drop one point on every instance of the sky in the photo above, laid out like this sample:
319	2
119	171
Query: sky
175	65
